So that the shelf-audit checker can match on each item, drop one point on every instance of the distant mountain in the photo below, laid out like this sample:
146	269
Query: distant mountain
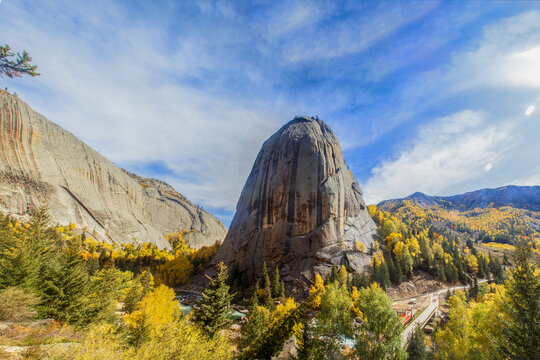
502	215
43	164
520	197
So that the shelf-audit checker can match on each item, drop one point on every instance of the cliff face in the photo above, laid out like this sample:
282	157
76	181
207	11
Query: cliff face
41	163
301	208
171	212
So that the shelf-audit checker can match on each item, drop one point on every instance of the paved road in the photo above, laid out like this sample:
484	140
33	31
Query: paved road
421	319
433	306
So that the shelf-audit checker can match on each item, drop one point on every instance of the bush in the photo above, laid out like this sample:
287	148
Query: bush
17	304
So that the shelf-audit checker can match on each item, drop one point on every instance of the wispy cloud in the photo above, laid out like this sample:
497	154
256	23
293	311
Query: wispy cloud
499	77
445	155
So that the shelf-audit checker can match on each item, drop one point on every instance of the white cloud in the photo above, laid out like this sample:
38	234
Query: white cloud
527	181
113	82
529	110
449	151
455	154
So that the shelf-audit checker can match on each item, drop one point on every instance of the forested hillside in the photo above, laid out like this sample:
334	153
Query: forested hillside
64	296
502	224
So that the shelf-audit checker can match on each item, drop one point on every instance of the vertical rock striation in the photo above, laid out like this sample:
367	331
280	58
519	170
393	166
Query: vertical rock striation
43	164
301	208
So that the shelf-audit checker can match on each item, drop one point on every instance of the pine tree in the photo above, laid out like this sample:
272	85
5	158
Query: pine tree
258	321
473	291
22	255
265	278
439	272
333	276
520	323
65	286
395	272
212	312
276	284
416	348
267	287
254	300
18	66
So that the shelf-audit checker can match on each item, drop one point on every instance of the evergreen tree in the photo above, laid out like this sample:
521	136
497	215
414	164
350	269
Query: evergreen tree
64	287
17	67
380	275
416	348
258	321
22	255
265	278
495	268
333	276
276	284
473	290
363	280
212	312
272	339
267	298
520	321
406	264
439	272
395	273
254	300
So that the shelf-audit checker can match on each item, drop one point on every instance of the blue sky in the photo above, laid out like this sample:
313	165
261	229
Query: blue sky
441	97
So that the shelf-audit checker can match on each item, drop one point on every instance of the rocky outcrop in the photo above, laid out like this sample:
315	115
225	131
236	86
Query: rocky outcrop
43	164
171	212
301	209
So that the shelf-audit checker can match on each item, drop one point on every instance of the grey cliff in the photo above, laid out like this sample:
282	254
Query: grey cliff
43	164
301	209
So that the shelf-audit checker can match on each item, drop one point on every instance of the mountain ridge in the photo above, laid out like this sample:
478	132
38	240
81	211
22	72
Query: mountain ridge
521	197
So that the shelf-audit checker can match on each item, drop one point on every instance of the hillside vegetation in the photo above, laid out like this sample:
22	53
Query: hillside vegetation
505	225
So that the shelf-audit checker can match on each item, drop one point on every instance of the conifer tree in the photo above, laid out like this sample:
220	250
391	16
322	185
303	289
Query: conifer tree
16	67
333	276
439	272
212	312
254	299
22	255
265	278
258	321
416	348
65	286
395	272
267	287
276	284
520	322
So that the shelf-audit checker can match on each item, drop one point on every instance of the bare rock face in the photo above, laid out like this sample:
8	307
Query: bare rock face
301	209
42	164
171	212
